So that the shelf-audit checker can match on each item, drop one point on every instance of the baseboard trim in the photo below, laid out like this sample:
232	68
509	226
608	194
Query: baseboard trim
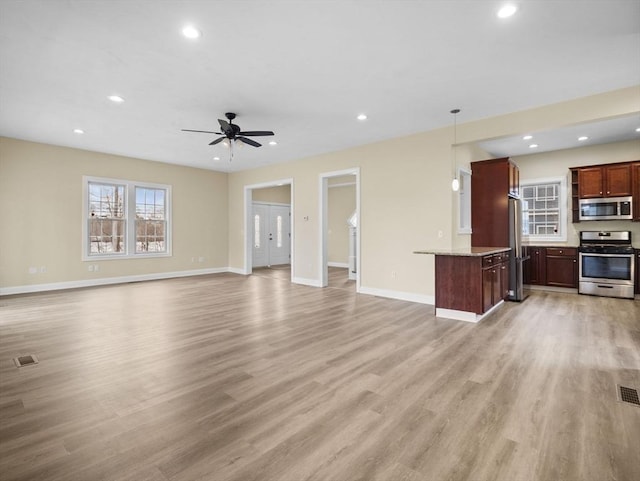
56	286
566	290
236	270
402	296
306	282
465	316
344	265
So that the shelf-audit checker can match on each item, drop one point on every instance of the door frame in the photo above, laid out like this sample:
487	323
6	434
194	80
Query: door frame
324	223
248	228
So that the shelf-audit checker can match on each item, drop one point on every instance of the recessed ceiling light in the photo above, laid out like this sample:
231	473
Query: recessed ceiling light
362	117
190	31
273	142
116	98
638	129
216	158
78	131
527	137
533	146
507	11
583	138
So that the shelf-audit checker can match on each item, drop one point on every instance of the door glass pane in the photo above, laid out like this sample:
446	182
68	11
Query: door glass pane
256	231
279	231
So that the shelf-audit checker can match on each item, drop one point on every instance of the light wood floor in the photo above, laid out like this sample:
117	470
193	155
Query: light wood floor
227	377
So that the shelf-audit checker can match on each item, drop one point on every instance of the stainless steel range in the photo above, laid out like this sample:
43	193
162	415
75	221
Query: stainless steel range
606	264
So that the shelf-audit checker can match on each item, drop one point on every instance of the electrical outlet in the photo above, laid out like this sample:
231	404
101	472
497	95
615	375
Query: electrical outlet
33	270
393	274
43	269
96	267
440	234
193	259
200	259
90	267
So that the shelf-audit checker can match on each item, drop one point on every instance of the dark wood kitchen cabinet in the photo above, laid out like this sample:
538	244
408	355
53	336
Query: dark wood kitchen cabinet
561	265
534	270
635	185
495	279
471	283
492	181
612	180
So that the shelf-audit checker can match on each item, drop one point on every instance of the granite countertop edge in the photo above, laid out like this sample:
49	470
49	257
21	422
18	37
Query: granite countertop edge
465	252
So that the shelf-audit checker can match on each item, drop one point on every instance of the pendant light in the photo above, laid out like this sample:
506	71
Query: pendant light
455	183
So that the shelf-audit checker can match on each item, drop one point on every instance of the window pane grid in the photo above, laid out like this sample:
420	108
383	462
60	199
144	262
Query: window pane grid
541	209
124	219
150	220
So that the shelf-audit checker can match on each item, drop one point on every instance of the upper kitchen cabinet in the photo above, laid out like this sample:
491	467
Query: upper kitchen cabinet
492	182
613	180
635	174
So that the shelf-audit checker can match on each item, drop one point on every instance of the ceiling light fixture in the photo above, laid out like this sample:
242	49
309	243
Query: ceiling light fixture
533	146
273	142
507	11
78	131
527	137
191	32
583	138
455	183
362	117
638	129
216	158
116	99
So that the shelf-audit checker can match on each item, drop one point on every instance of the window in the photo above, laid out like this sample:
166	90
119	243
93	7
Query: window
544	212
124	219
464	202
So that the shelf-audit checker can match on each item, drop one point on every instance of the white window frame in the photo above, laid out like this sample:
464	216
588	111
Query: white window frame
130	219
561	236
464	201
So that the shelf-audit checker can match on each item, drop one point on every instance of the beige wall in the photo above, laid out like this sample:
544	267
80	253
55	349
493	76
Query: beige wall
558	163
279	194
41	214
342	203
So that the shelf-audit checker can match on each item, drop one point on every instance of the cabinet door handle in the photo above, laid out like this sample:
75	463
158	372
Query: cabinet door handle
560	252
574	261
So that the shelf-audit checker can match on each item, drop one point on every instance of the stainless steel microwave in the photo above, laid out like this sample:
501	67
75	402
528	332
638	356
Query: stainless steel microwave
608	208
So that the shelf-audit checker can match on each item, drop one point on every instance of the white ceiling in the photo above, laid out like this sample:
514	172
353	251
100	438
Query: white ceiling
303	69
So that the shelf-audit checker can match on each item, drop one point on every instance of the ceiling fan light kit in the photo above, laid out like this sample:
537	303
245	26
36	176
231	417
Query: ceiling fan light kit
232	134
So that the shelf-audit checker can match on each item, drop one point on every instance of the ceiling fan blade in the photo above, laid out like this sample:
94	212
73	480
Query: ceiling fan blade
249	141
224	125
256	133
218	140
202	131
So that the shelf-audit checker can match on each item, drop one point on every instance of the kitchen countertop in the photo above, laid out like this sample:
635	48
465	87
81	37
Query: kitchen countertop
465	251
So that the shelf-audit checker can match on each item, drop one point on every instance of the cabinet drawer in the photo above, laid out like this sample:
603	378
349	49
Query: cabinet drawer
488	261
562	251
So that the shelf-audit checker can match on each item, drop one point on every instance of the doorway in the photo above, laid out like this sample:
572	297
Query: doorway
335	268
271	234
262	194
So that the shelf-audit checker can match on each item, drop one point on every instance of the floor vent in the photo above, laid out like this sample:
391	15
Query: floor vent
628	395
22	361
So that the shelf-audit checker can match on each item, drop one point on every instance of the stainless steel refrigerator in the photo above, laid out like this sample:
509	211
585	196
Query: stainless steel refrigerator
517	292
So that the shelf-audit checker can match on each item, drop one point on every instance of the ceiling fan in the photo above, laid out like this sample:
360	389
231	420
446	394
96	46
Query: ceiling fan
232	133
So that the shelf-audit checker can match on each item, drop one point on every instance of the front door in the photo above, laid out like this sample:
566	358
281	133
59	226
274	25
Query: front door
271	234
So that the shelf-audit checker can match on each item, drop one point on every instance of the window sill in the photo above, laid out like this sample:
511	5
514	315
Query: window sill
115	257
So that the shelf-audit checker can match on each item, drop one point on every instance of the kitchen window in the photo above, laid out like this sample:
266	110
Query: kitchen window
544	209
125	219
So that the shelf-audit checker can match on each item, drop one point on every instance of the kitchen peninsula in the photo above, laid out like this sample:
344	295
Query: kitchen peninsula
470	282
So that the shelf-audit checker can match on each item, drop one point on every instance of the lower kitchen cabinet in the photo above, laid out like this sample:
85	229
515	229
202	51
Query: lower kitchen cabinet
495	279
562	266
473	283
535	266
551	266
